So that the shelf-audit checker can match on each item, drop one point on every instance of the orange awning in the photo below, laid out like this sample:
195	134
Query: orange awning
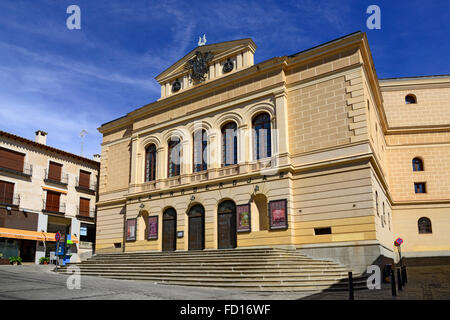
30	235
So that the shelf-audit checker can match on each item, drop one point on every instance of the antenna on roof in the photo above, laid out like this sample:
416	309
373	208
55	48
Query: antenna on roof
82	134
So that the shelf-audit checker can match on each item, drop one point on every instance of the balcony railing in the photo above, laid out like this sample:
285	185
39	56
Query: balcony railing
63	180
54	207
10	199
85	213
91	187
15	167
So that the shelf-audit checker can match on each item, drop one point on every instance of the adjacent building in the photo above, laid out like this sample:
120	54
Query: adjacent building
44	190
308	151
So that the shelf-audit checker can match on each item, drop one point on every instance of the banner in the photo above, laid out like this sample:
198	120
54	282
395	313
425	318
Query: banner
131	230
278	214
243	218
152	228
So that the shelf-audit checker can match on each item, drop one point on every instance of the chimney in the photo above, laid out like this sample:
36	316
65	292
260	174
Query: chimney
97	157
41	137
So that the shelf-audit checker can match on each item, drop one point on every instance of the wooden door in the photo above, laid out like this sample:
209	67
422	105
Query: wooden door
196	228
226	225
52	202
6	192
169	230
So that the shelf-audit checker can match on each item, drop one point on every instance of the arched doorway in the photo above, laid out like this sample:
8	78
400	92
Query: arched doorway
226	225
169	240
196	228
263	213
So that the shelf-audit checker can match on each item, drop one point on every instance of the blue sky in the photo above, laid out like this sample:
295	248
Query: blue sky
63	81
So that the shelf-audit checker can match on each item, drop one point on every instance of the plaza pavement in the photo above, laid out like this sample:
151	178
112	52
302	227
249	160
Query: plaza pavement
38	282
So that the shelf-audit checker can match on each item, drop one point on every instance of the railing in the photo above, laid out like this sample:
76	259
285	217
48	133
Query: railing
92	185
63	180
85	213
17	167
8	198
54	206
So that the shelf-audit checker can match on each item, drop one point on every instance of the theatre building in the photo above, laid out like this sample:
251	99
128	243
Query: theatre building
44	190
309	151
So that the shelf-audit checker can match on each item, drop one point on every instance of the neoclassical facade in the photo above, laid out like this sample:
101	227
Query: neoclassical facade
297	151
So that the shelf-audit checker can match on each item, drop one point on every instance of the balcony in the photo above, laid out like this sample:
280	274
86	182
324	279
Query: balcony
199	176
87	215
90	188
17	168
63	180
9	199
54	207
230	170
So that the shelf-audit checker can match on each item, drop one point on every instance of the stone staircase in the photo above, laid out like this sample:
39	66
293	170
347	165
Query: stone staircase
265	269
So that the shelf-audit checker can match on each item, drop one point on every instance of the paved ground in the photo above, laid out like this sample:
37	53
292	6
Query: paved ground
38	282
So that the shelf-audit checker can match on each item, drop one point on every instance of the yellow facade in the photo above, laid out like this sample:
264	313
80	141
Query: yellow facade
341	154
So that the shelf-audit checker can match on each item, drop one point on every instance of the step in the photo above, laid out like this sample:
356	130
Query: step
237	276
215	270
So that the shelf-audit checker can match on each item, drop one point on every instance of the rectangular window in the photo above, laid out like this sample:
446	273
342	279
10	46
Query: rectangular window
11	160
6	192
87	232
419	187
85	179
84	207
319	231
54	171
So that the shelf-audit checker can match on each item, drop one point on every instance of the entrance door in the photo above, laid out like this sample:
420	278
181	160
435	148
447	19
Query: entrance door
196	228
169	241
226	225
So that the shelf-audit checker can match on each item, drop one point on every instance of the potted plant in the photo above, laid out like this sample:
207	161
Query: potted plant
15	260
44	260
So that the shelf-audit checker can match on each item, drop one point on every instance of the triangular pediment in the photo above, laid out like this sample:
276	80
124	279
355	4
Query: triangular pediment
240	52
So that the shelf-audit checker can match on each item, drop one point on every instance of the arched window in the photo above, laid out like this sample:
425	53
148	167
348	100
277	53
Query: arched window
150	163
200	150
424	225
410	99
417	164
261	136
229	144
174	158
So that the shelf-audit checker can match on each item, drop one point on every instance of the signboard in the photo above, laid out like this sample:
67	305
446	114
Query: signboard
398	242
278	214
131	229
83	231
152	228
243	218
180	234
57	236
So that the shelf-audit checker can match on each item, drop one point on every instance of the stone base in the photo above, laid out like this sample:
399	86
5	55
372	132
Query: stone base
356	256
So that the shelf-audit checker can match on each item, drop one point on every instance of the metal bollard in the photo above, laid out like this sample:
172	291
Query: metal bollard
399	279
350	287
393	288
404	276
